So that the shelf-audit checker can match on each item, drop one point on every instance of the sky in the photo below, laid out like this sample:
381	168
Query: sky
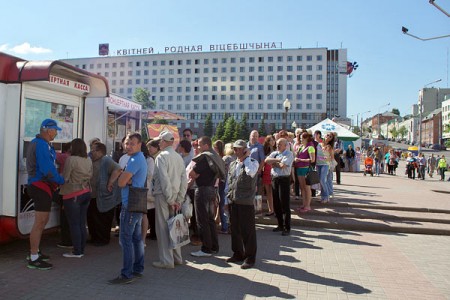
393	67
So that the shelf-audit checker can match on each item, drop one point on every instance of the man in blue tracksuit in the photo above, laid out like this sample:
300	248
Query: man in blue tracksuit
43	181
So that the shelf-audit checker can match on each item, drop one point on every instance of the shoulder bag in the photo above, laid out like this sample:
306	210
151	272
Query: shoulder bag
312	177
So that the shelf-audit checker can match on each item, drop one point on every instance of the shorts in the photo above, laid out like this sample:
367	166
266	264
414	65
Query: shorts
42	200
302	171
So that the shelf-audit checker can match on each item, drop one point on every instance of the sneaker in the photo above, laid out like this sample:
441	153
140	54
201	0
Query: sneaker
247	265
137	275
286	232
73	255
39	264
61	245
200	253
121	280
42	257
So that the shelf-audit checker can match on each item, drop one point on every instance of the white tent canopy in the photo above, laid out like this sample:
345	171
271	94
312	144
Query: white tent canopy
328	125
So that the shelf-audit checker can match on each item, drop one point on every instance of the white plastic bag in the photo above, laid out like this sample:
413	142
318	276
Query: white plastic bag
178	231
186	208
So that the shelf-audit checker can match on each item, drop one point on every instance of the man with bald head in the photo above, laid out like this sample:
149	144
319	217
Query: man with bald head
281	162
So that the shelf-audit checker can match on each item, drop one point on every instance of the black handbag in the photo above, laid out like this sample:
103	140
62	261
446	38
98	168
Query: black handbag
312	177
137	199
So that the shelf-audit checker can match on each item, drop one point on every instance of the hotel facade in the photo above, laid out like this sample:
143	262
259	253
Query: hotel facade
193	83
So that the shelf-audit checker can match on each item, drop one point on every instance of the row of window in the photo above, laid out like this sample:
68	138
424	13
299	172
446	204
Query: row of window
232	88
253	116
260	78
233	106
206	61
260	69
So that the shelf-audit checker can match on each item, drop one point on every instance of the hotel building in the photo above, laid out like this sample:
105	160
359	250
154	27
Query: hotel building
257	82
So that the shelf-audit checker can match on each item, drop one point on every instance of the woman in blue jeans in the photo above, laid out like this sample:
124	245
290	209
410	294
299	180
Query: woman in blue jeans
76	194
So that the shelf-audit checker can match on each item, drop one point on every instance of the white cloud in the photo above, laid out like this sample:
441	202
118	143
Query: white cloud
24	48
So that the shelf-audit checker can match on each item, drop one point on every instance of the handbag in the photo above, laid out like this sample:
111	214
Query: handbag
137	199
312	177
178	231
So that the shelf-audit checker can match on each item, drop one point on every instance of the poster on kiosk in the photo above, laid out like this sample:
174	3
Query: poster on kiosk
30	92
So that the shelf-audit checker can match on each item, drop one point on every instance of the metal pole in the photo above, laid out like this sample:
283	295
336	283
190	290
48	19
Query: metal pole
285	118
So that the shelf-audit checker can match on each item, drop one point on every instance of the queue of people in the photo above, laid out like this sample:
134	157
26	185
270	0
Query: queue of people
222	181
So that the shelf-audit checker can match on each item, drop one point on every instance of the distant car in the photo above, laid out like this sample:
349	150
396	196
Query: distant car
438	147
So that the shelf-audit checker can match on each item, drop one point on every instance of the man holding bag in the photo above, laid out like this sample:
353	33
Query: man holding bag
169	189
134	174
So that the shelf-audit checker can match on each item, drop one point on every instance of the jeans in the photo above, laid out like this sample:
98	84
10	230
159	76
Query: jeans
222	213
205	211
330	183
377	168
76	211
130	238
323	174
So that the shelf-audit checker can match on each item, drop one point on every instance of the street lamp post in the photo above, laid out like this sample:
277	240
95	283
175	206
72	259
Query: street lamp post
419	147
378	119
287	106
361	129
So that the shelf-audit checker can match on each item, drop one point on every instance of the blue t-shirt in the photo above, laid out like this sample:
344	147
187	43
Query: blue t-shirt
137	165
257	152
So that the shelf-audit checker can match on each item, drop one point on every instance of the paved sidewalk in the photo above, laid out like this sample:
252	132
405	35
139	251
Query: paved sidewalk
309	264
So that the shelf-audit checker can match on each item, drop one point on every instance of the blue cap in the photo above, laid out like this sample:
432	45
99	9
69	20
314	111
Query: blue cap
50	124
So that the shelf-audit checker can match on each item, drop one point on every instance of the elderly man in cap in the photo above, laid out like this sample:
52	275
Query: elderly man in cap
169	189
241	193
43	181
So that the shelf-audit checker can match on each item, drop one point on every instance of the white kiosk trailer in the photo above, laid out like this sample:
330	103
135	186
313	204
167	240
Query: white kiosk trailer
31	91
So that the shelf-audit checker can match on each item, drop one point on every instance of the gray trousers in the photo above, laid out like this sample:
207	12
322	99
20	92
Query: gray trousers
162	213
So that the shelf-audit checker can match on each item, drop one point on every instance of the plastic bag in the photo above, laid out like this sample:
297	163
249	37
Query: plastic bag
178	231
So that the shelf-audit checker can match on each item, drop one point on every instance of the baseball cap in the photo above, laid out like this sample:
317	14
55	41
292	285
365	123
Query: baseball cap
166	136
240	144
50	124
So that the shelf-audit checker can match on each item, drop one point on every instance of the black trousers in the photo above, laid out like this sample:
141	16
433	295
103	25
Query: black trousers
151	223
99	224
205	196
282	201
66	238
243	232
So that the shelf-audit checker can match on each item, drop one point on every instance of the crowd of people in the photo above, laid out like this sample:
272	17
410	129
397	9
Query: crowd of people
221	179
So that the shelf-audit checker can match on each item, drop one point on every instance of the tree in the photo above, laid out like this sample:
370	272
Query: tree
228	134
220	130
262	128
142	96
355	130
394	132
237	134
244	131
208	127
395	111
402	131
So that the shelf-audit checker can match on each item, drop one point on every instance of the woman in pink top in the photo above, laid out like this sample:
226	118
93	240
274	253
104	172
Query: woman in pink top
305	156
76	194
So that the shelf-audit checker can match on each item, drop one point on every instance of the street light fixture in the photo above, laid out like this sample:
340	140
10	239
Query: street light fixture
405	31
361	129
378	119
287	106
421	113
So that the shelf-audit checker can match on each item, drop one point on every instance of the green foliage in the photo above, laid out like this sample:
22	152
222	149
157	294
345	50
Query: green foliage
208	127
355	130
220	130
230	127
142	96
394	132
244	131
237	131
402	131
396	111
262	128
